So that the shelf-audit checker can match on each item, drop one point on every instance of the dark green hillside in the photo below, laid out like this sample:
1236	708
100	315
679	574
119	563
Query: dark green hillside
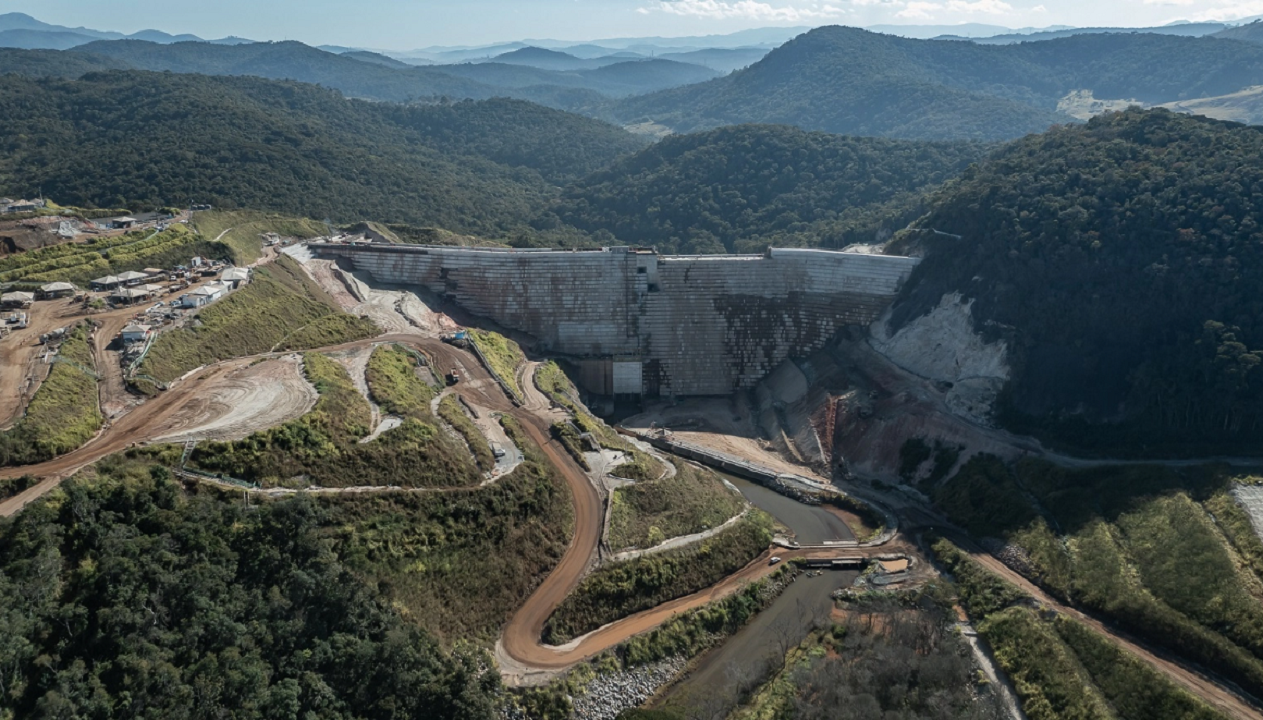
1252	32
852	82
126	597
748	186
1139	66
133	139
1123	261
54	63
849	81
642	76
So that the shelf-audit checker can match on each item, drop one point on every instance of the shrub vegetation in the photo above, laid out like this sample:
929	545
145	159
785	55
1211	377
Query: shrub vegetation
450	409
458	563
638	465
688	502
621	589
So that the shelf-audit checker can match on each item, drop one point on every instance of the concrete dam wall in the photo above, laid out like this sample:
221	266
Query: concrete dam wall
640	323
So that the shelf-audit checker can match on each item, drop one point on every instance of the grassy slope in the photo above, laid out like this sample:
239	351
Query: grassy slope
62	415
241	230
281	308
80	262
450	410
1060	667
459	563
647	513
1133	544
503	354
552	381
394	383
323	448
621	589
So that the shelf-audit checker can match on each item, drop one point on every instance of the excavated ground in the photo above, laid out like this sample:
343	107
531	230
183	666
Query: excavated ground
249	399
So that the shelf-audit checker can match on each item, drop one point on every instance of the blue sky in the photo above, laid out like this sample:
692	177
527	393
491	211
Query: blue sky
406	24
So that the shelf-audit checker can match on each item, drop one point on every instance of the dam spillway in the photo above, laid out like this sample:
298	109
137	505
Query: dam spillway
640	323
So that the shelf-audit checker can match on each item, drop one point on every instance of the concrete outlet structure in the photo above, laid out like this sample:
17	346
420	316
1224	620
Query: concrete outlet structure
639	323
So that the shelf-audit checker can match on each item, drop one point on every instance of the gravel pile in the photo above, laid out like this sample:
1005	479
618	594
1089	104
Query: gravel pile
608	695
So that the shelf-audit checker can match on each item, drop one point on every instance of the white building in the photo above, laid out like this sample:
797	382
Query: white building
204	295
234	277
135	333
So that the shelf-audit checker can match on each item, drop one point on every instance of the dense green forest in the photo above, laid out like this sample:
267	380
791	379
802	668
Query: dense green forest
851	81
746	187
1122	262
125	597
138	140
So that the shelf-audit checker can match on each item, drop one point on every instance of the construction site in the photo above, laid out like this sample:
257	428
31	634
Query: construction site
755	366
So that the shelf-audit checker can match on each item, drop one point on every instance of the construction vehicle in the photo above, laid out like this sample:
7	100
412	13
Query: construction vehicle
453	377
459	339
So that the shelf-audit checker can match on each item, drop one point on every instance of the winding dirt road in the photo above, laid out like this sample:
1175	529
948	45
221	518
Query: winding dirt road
520	643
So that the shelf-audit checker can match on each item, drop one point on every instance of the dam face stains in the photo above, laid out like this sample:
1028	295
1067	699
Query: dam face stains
699	325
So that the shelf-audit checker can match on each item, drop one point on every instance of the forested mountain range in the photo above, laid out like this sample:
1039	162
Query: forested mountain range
139	139
746	187
1123	263
834	79
850	81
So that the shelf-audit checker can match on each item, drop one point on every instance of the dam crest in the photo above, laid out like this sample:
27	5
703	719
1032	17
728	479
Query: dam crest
639	323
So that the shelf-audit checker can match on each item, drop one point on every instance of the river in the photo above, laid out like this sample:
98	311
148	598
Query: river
716	685
811	524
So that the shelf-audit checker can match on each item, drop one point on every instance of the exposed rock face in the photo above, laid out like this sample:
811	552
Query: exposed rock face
942	346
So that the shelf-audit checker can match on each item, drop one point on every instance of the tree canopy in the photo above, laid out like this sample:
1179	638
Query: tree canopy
1123	262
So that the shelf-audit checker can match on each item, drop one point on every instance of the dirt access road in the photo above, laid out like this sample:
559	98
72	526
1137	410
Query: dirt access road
522	635
1217	696
1214	694
520	647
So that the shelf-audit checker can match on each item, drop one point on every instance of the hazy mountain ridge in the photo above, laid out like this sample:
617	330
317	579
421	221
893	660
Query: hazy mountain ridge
851	81
377	78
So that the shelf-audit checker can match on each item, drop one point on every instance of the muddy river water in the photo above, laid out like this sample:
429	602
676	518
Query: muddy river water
811	524
717	684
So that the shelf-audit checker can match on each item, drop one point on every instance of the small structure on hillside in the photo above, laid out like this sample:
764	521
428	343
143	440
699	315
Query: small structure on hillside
17	206
127	296
235	277
17	299
131	277
135	332
109	282
204	295
56	290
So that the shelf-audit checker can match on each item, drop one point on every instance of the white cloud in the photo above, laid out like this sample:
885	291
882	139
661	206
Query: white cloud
1214	10
749	10
922	10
